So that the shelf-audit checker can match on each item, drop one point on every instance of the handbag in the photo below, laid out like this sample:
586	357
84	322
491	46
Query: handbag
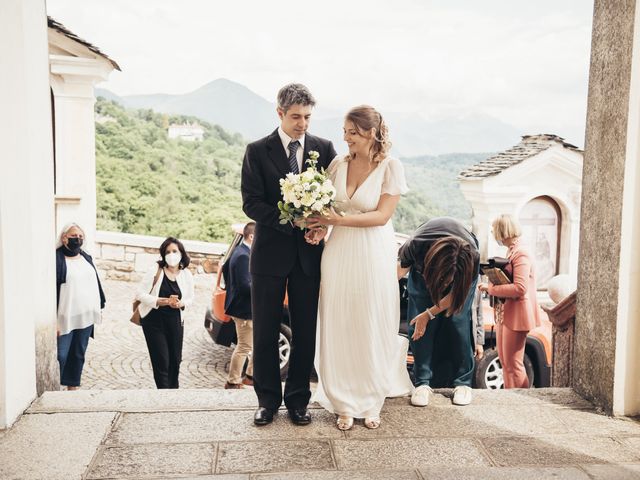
497	272
135	318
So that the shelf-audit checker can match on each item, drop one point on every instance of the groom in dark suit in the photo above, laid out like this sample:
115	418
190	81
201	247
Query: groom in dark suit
281	258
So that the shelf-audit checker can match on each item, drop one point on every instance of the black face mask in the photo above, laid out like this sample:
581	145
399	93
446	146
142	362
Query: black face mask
73	247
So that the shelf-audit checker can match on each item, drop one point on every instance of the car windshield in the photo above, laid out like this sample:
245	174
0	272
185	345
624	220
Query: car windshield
236	241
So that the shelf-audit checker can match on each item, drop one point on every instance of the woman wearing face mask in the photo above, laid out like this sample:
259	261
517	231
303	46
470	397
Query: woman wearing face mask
79	301
162	307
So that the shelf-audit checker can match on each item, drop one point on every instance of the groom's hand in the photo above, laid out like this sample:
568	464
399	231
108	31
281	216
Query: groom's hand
314	236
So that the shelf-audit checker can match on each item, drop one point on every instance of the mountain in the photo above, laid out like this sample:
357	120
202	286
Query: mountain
232	106
109	95
238	109
413	135
433	180
150	184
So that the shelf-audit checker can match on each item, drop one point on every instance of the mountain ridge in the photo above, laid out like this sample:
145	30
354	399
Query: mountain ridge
236	108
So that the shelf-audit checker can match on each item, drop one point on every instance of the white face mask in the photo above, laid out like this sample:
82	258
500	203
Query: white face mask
173	259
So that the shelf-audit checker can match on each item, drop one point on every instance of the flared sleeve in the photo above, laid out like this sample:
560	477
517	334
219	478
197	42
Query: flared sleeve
332	169
394	182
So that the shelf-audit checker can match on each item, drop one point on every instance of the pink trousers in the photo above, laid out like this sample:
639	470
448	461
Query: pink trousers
510	345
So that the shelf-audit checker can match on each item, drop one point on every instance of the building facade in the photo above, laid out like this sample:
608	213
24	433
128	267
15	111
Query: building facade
48	179
539	181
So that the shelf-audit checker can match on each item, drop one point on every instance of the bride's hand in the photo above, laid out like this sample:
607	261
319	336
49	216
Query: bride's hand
330	218
420	323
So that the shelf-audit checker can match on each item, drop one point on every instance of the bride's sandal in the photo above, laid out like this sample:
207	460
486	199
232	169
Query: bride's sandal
344	422
372	422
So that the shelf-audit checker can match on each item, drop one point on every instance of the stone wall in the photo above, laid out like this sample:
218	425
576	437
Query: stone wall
123	256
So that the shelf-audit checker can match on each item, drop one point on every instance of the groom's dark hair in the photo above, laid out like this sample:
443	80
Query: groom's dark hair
449	268
294	94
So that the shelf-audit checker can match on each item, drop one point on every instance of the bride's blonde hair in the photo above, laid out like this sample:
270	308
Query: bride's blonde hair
365	118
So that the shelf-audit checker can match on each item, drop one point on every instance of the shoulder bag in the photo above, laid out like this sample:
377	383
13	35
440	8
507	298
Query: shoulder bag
135	318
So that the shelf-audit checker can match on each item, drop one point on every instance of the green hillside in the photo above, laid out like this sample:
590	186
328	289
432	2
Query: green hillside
432	181
150	185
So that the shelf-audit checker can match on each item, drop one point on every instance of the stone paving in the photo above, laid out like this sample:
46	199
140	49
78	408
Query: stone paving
117	358
208	434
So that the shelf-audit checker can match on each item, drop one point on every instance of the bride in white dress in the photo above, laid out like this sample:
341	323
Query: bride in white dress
360	358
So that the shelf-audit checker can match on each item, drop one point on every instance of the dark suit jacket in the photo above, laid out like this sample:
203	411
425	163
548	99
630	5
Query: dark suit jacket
237	302
275	247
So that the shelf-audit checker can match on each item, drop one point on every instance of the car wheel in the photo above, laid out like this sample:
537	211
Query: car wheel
488	373
284	349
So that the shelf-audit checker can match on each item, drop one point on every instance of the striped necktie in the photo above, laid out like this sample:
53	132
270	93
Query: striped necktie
293	158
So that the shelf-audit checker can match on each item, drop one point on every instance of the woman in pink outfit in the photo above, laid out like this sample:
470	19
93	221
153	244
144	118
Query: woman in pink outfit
521	312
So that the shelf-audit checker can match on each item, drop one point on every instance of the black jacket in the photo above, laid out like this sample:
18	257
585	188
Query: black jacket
275	247
414	250
61	274
237	302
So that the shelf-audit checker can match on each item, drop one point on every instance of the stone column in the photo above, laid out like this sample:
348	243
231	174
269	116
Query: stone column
72	81
607	327
27	261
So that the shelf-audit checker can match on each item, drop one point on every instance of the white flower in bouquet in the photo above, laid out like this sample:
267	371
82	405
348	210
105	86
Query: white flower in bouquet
305	194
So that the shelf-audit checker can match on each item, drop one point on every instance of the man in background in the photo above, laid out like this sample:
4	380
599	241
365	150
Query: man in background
237	305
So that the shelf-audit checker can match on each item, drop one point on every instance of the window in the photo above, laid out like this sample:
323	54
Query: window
540	220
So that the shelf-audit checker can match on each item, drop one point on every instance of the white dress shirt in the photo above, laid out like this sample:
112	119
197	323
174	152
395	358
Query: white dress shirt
286	140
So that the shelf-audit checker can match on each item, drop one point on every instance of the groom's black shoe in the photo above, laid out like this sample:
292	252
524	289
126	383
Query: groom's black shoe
263	416
300	416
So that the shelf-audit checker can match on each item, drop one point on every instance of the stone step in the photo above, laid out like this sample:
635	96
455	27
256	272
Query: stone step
245	399
208	434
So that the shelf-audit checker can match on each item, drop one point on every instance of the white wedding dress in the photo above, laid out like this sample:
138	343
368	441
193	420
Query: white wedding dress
360	358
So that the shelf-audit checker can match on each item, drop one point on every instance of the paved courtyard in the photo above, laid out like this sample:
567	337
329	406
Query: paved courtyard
117	358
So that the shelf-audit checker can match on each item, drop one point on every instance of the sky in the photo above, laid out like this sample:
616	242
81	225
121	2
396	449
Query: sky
525	63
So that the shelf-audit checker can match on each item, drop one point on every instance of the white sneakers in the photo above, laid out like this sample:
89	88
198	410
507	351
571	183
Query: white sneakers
462	395
420	396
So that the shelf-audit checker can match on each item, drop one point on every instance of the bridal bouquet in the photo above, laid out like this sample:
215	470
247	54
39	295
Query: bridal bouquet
305	194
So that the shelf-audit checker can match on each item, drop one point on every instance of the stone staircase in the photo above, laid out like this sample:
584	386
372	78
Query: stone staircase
208	434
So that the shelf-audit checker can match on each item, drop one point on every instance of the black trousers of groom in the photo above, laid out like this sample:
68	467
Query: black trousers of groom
267	295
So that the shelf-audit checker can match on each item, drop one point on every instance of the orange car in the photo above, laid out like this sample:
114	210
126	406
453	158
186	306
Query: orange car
488	372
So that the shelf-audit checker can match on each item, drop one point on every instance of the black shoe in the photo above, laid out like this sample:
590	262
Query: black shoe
300	416
263	416
233	386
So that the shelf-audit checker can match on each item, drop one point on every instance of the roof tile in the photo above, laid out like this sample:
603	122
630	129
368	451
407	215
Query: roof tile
529	146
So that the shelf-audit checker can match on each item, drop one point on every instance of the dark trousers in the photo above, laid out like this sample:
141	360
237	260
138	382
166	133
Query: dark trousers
443	356
71	349
164	341
267	297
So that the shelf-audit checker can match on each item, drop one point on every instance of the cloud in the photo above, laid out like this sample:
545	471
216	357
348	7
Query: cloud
523	62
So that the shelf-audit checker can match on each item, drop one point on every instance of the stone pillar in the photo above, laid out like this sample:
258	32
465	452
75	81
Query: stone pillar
607	330
562	316
27	261
72	81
